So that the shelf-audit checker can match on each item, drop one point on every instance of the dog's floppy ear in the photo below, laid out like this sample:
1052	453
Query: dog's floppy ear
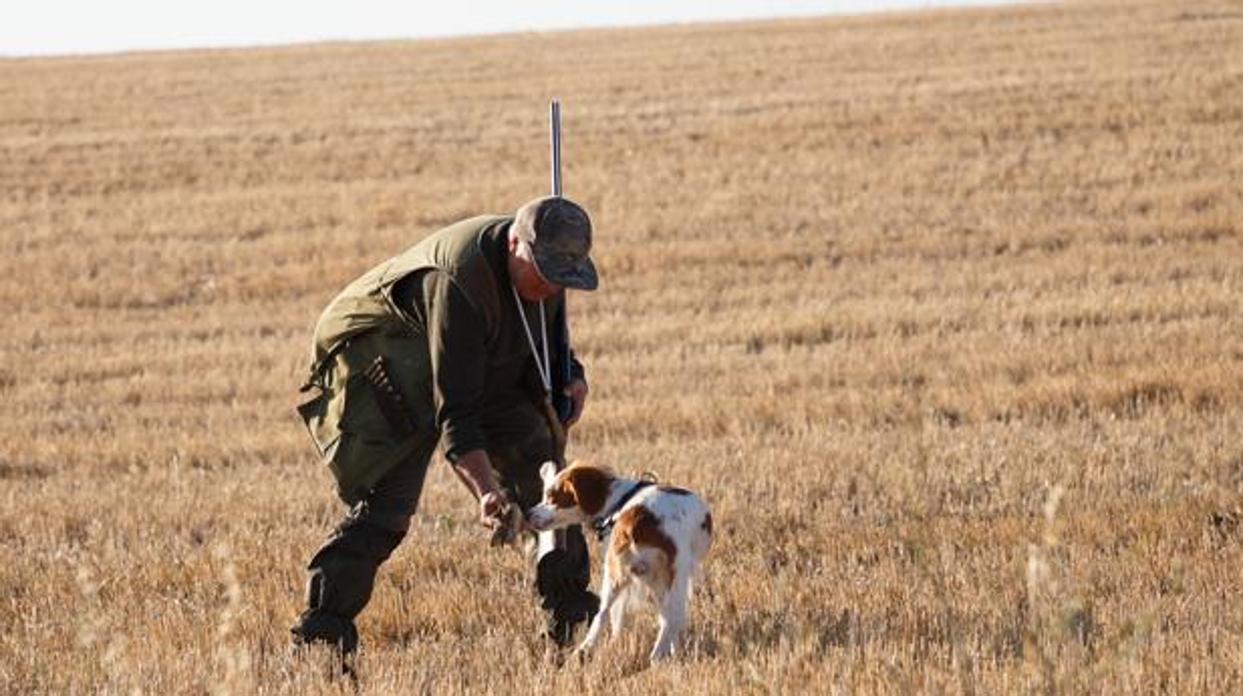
547	472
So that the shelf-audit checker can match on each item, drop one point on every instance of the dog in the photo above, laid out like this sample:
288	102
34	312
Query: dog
654	537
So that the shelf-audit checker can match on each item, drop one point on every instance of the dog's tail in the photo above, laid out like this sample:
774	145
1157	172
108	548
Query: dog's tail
652	566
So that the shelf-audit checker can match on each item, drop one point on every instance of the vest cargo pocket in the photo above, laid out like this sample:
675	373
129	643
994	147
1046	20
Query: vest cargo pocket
315	415
368	447
357	435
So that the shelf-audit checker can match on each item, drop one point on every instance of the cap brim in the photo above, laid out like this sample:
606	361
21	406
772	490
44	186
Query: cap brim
579	276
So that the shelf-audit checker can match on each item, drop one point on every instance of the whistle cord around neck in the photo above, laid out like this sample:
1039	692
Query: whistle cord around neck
544	367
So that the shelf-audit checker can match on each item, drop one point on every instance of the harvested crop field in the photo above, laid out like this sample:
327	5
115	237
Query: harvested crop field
939	311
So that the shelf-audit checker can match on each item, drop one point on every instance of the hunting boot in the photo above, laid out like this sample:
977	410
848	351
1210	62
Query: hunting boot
342	576
562	575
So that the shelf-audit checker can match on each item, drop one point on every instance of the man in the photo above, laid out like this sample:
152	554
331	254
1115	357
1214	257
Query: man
445	343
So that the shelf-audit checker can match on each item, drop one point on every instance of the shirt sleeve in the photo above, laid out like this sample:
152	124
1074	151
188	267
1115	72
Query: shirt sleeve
455	336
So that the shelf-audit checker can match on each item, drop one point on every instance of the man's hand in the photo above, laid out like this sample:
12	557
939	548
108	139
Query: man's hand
475	470
493	507
501	516
576	391
496	512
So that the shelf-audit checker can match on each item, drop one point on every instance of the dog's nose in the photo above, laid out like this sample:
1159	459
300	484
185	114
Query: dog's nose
536	521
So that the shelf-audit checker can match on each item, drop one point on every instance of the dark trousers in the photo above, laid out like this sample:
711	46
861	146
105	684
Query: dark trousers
343	571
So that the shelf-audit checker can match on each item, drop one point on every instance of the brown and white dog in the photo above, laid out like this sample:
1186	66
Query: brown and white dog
655	537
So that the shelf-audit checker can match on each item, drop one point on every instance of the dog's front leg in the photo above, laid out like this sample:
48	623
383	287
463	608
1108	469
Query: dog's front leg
672	616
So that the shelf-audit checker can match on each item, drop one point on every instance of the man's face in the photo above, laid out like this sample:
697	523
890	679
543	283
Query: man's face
525	275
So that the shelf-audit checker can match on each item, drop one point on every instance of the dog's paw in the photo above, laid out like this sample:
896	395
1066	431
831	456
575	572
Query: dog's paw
581	654
659	654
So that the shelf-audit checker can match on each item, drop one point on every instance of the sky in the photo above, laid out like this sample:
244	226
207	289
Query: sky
64	27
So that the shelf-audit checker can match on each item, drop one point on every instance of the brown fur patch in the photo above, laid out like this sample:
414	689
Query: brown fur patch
561	495
638	526
707	523
584	486
591	485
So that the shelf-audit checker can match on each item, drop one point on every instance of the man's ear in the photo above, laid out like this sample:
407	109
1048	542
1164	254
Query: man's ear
547	472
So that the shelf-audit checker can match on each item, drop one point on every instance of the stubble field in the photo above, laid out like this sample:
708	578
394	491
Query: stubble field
940	312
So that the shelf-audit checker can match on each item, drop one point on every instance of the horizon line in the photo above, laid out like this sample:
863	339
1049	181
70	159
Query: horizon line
926	7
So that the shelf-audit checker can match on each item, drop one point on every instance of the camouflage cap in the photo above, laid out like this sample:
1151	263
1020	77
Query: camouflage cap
559	233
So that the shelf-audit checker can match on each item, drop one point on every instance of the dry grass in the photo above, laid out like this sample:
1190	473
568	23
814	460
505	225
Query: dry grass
939	311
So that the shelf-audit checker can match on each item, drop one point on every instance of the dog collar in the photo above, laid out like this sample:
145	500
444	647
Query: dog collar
604	524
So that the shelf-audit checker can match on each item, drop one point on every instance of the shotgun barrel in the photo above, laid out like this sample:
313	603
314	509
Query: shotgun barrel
561	372
554	138
550	549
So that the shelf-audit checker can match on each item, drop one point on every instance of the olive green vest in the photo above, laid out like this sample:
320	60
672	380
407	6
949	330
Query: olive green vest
344	418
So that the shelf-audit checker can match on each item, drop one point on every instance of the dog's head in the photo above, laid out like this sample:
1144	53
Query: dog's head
573	496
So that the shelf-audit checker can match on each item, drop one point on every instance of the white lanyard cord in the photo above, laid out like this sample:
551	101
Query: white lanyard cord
544	367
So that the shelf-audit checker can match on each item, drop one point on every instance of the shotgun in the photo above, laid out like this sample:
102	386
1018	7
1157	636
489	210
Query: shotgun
562	568
550	546
557	407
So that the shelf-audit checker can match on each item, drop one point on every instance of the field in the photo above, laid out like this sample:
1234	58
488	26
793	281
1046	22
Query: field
940	312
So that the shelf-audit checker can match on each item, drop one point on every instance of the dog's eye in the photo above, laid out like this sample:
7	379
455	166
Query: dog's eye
561	497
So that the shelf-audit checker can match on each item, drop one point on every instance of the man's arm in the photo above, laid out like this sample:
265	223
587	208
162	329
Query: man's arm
455	345
475	470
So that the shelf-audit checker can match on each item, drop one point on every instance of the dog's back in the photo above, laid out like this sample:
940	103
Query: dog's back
662	532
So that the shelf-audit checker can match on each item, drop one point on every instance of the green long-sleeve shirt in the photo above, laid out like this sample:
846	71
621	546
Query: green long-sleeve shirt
475	372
